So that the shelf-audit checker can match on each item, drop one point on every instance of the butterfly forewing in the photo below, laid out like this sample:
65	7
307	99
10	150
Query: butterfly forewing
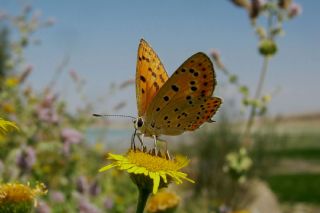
150	76
185	91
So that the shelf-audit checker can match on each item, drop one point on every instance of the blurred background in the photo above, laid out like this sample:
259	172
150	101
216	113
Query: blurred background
62	61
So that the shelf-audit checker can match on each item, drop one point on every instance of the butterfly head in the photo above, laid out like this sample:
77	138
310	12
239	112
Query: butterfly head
138	123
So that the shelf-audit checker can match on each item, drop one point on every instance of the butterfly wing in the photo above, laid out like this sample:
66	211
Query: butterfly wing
150	76
184	102
190	118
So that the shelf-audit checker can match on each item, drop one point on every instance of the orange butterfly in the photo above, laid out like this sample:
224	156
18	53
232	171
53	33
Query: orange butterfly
171	106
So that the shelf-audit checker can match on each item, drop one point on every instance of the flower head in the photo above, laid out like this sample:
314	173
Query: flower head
163	202
1	167
215	54
71	136
7	126
241	3
26	158
294	10
46	111
57	197
43	207
241	211
11	82
16	197
284	4
108	203
85	206
94	188
149	171
82	184
238	164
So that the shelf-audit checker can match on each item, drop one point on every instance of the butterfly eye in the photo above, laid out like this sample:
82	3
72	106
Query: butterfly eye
140	122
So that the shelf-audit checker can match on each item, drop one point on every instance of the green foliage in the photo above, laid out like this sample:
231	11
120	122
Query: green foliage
3	53
21	207
296	153
296	187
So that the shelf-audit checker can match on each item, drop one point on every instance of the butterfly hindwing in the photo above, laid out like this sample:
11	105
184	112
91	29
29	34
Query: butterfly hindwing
150	76
190	118
191	85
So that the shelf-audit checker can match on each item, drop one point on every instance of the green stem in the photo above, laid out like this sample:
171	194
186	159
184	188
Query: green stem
256	97
264	70
143	197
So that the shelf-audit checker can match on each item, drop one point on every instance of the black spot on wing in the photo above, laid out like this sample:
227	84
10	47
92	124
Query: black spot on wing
175	88
142	78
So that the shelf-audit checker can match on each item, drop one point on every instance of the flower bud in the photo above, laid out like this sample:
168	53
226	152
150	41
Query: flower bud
217	58
267	47
294	10
284	4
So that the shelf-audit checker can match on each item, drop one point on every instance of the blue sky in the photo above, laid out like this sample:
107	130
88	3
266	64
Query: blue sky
101	39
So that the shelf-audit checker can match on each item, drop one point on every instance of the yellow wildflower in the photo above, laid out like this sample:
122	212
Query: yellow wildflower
163	201
7	126
16	197
241	211
149	171
12	82
8	108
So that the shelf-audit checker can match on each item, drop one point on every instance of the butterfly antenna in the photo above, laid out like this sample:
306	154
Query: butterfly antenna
107	115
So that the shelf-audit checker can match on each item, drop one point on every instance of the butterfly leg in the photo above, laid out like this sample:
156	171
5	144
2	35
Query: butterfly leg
167	151
155	141
133	144
166	148
141	139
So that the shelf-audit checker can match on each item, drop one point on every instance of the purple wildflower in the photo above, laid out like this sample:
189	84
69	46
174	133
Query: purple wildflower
82	185
26	158
57	197
108	203
217	58
94	188
294	10
43	207
46	111
71	136
47	115
1	167
84	206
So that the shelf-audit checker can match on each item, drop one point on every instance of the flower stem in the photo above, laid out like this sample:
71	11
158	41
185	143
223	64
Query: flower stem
246	142
257	96
143	197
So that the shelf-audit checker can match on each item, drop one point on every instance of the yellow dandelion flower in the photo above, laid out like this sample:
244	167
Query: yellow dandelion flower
16	197
7	126
8	108
148	171
241	211
11	82
163	201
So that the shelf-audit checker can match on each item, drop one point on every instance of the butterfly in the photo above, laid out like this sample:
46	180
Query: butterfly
171	106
